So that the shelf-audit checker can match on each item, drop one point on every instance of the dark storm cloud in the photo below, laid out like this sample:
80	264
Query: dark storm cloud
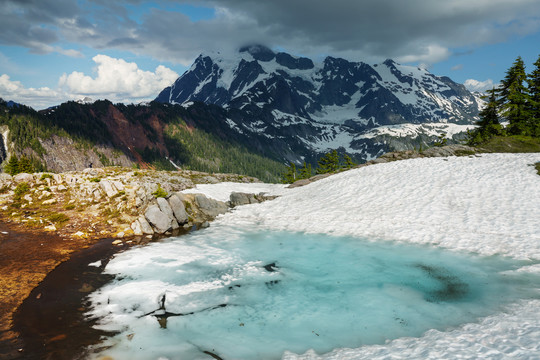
411	30
388	28
32	23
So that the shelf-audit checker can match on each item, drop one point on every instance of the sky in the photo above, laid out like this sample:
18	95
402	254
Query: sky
52	51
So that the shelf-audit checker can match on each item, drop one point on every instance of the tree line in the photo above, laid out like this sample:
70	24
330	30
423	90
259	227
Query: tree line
331	162
516	100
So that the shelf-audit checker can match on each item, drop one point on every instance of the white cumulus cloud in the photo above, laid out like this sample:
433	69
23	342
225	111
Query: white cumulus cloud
117	79
38	98
480	86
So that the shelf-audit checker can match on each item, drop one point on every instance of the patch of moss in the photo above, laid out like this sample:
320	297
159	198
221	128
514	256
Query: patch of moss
58	218
537	165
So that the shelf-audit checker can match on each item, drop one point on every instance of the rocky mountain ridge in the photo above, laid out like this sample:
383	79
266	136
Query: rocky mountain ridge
309	108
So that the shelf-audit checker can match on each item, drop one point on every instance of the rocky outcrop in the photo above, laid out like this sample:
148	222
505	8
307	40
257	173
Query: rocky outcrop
119	202
239	198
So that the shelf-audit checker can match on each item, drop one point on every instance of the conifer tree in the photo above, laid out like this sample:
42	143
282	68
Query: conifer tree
25	166
305	171
12	166
534	100
290	175
514	97
489	125
347	162
328	163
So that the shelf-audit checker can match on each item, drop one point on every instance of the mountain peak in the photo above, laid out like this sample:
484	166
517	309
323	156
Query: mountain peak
259	52
275	95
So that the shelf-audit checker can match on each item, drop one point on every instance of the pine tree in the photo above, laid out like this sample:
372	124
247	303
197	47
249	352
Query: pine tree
488	125
25	166
347	162
514	97
328	163
290	175
534	100
305	171
12	166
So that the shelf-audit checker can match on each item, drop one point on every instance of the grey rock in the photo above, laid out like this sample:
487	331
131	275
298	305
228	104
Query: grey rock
210	180
210	207
165	207
160	221
108	188
5	179
118	185
178	208
167	210
298	183
136	227
239	198
145	226
23	177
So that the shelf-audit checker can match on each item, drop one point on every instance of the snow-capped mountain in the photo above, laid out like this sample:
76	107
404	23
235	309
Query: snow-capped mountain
311	108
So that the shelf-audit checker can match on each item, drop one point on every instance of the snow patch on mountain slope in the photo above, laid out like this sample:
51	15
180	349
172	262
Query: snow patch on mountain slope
414	130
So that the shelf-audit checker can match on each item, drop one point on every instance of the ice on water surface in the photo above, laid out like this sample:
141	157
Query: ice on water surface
242	294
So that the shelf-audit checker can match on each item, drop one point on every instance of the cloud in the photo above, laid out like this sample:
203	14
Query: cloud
457	67
480	86
118	79
38	98
370	30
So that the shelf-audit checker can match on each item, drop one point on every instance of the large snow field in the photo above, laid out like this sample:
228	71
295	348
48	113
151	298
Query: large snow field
486	205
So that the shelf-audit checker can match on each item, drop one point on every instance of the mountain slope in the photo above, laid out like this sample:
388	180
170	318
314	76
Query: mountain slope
317	107
74	136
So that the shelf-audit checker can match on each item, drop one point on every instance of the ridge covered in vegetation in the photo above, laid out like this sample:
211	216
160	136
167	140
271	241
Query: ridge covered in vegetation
159	136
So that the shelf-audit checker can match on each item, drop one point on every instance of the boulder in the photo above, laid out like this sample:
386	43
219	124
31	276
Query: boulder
136	227
239	198
118	185
108	188
145	226
23	177
167	210
178	208
159	220
210	207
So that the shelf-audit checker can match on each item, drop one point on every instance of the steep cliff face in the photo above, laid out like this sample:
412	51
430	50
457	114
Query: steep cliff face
64	154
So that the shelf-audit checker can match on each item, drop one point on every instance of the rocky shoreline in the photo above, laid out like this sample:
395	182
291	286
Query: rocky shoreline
47	217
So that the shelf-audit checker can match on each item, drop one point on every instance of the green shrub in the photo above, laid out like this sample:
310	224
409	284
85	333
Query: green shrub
58	218
46	176
160	192
95	179
21	189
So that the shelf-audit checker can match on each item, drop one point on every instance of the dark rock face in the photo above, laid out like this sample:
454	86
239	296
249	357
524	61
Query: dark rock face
295	109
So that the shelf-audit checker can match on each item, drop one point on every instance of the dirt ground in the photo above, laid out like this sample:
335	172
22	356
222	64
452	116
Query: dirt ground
26	257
